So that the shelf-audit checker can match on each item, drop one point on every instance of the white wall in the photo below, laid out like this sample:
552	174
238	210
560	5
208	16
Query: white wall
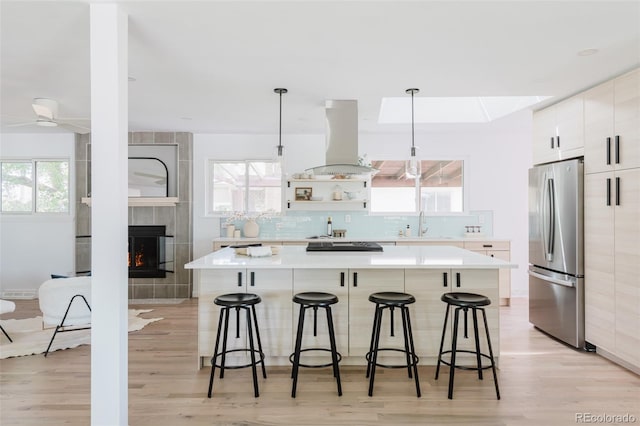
498	156
32	248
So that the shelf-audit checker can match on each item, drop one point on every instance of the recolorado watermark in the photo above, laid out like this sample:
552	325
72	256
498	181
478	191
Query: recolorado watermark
605	418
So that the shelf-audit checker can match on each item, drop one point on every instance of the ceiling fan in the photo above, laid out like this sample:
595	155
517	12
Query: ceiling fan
46	111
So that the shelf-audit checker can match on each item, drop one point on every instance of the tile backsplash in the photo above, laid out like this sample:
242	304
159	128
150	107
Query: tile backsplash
362	225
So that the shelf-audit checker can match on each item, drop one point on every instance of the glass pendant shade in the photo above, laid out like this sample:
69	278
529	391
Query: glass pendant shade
412	166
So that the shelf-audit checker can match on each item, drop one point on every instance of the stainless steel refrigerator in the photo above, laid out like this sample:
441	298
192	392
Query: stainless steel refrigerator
556	260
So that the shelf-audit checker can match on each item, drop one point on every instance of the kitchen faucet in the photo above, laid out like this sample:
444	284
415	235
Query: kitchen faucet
421	229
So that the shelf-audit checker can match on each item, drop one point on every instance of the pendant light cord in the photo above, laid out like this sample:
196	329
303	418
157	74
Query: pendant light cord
280	91
413	147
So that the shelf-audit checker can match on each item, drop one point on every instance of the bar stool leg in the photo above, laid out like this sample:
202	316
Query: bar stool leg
252	353
444	330
334	350
374	353
405	334
477	339
255	322
373	337
224	341
493	364
296	354
215	354
407	321
454	341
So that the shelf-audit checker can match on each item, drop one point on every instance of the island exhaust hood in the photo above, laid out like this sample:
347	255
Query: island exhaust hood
342	140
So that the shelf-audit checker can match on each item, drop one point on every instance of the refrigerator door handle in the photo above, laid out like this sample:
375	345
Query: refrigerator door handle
549	232
552	280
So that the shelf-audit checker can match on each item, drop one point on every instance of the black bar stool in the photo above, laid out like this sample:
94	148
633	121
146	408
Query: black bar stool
238	301
391	300
315	300
474	302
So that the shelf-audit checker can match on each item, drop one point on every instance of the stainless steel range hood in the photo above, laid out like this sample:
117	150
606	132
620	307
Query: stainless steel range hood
342	140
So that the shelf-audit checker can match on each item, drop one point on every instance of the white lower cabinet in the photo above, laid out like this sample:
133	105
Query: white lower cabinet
612	264
352	315
214	283
274	313
364	282
480	282
334	281
427	314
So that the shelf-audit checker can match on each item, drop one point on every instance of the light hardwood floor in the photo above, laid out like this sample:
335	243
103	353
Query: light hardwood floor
542	383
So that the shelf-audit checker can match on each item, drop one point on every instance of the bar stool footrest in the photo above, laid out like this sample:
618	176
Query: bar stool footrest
464	367
235	367
414	358
315	365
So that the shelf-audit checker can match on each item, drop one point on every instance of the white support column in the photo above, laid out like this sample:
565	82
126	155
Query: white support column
109	114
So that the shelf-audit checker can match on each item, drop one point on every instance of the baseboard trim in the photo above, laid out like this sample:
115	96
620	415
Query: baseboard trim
621	362
19	294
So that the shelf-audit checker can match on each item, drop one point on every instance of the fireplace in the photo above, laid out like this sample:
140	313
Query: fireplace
150	251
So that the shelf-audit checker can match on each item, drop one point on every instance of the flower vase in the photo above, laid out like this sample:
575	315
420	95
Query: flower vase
230	229
251	229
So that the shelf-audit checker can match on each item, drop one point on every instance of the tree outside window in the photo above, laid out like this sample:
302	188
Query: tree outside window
35	186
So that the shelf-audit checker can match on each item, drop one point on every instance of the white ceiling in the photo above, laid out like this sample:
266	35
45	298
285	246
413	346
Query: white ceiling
218	62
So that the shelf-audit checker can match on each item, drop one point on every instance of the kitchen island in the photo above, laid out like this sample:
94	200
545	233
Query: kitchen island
426	272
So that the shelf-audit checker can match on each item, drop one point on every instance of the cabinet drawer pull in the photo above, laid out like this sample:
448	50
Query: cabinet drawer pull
341	279
551	142
457	279
355	279
617	149
558	141
239	279
444	279
608	151
608	191
487	245
253	279
617	191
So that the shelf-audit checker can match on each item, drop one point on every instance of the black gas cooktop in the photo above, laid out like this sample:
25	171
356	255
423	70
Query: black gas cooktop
344	246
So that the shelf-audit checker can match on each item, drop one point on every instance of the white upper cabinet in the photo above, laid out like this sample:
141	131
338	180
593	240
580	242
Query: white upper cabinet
612	136
558	131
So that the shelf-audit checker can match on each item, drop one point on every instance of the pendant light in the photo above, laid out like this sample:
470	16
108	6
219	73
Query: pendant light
413	165
280	91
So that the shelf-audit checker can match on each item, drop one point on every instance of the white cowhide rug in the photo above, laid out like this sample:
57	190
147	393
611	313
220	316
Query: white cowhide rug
29	338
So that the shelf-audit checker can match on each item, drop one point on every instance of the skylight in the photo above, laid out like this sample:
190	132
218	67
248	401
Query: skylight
453	109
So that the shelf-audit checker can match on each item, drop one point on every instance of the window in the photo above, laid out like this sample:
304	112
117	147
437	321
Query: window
437	187
35	186
244	186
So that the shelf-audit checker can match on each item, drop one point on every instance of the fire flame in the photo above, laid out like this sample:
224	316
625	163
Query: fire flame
138	260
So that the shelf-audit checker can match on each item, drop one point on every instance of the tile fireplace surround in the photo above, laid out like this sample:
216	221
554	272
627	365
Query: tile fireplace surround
176	218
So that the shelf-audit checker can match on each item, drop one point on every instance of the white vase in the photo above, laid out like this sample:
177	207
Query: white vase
251	229
230	229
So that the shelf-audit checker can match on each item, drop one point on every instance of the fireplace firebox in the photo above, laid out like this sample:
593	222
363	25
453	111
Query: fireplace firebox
150	251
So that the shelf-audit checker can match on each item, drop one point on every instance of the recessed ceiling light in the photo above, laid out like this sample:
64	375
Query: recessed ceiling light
131	78
186	118
587	52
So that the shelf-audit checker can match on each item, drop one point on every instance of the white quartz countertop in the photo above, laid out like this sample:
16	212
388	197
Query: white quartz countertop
394	257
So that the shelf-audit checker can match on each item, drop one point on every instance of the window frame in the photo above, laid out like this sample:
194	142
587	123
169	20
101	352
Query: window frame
34	188
209	197
465	189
